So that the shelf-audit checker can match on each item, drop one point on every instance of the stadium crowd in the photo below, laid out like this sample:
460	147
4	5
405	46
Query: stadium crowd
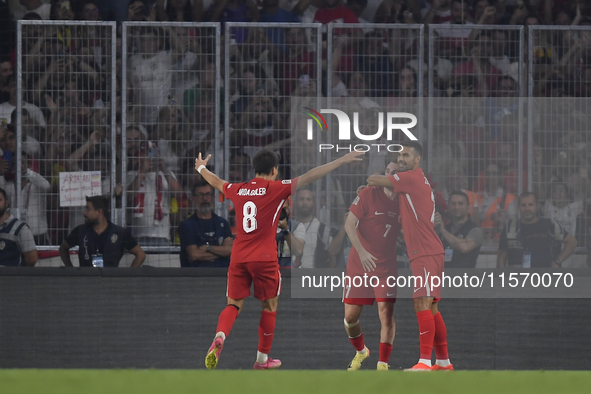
477	74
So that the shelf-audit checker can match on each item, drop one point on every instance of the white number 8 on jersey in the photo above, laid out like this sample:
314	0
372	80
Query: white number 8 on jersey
249	213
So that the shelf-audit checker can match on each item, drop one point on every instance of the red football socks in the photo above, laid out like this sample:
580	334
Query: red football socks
227	319
266	331
385	351
426	333
440	340
358	342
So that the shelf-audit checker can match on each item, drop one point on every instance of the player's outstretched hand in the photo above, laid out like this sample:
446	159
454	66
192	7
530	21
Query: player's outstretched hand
368	261
352	156
199	161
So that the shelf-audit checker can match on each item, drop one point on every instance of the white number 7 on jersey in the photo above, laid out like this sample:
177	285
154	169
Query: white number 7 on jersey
249	213
388	227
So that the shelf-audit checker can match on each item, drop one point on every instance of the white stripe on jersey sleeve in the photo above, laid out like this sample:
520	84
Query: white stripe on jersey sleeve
412	207
278	209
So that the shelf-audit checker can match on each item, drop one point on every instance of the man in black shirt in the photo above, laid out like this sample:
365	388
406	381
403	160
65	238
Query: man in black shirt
461	238
101	242
531	241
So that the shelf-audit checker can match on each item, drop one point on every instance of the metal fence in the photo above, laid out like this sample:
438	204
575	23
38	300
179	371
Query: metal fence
171	112
63	104
558	124
268	68
371	68
475	139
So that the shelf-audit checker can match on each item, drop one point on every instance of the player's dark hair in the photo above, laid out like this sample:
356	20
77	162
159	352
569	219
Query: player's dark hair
200	183
99	202
526	194
264	162
459	193
415	145
3	192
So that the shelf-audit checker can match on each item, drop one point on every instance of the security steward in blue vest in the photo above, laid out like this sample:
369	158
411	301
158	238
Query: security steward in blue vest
17	246
461	237
101	243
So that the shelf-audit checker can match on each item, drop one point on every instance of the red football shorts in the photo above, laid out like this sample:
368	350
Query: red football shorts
264	274
364	291
427	267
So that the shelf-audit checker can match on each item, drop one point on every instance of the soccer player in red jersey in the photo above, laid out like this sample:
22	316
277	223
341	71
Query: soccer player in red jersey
425	251
372	226
254	253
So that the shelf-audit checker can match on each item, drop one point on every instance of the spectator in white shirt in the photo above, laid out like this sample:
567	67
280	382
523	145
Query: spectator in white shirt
7	107
150	72
33	200
30	132
149	193
561	208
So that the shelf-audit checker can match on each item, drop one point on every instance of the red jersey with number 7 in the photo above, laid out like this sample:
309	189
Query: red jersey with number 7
378	230
417	213
258	205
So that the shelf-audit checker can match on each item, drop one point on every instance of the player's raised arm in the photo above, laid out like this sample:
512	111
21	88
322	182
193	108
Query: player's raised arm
379	180
316	173
209	176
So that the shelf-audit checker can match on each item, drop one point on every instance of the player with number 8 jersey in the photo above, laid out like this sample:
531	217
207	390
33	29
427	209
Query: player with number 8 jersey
258	204
254	257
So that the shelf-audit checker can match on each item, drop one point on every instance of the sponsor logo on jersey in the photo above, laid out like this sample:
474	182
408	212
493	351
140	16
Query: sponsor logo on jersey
396	177
286	182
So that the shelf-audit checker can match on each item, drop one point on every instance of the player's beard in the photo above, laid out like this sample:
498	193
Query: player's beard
3	211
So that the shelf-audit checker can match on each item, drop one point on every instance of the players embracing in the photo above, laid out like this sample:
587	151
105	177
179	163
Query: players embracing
373	226
425	251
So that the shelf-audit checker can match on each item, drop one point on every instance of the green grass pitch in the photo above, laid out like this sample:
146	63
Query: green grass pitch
32	381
